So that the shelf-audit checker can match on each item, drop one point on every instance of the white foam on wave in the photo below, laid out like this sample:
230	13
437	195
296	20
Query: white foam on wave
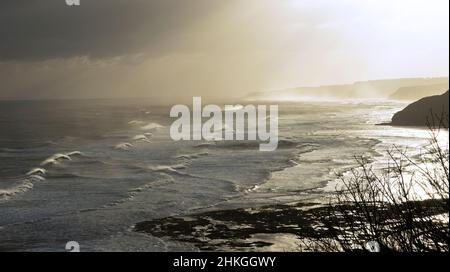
75	153
57	158
152	126
36	175
253	189
205	145
192	156
164	180
167	168
36	178
179	166
36	170
123	146
136	122
20	188
25	185
142	138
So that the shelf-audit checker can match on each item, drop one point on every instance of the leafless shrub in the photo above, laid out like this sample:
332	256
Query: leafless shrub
404	207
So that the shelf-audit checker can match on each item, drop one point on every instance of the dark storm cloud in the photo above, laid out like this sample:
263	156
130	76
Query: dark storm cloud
172	48
44	29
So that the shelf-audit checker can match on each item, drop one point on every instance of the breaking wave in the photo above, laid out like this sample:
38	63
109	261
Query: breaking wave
36	174
26	183
37	170
57	158
168	168
152	126
142	138
164	180
136	122
123	146
192	156
17	189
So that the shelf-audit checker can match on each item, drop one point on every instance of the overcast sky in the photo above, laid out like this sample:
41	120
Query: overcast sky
173	48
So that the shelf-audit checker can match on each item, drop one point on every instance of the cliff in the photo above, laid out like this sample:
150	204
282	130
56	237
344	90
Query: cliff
417	92
421	112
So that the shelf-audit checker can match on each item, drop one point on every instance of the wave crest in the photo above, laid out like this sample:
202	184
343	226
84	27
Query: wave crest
142	138
123	146
152	126
36	175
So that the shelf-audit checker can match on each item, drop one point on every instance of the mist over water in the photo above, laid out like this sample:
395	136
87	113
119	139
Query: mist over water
88	170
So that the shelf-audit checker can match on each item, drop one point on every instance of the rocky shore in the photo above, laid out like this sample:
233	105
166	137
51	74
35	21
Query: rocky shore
270	228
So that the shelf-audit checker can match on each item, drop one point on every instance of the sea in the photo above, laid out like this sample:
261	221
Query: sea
88	170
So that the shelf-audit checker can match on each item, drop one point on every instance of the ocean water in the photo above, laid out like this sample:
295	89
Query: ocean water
88	170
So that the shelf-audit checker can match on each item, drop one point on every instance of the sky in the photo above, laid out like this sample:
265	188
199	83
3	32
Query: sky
168	49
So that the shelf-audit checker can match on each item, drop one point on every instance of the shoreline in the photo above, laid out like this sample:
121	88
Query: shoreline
268	228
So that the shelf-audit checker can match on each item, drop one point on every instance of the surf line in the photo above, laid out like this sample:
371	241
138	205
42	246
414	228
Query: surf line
232	123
